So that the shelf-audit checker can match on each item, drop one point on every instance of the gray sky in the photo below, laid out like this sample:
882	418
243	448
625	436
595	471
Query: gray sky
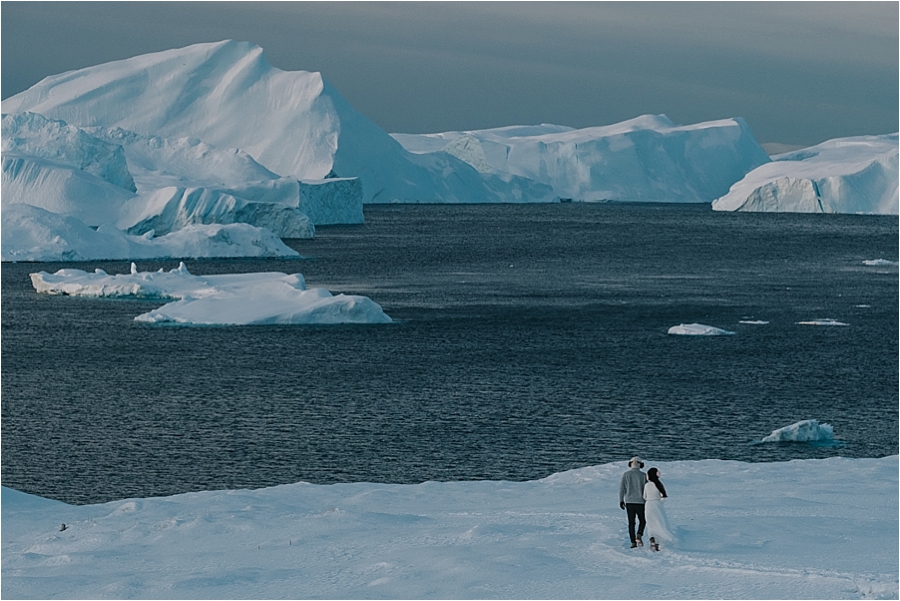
800	73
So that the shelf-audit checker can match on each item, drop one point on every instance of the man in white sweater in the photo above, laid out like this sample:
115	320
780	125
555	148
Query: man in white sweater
631	499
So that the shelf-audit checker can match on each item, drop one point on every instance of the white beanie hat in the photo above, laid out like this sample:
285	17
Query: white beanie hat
635	462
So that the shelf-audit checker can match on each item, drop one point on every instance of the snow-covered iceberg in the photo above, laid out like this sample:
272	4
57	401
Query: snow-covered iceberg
648	158
844	175
33	234
808	430
293	123
698	329
229	299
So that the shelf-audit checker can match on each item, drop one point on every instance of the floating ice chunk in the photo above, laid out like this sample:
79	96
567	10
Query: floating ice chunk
822	322
754	322
229	299
879	262
698	329
808	430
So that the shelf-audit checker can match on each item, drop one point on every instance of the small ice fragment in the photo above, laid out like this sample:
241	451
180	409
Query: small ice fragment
698	329
822	322
878	262
754	322
809	430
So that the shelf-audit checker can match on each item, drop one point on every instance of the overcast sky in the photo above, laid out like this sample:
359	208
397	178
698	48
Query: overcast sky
800	73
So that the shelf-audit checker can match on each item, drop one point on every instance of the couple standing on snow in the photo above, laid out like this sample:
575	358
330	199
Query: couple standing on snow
641	495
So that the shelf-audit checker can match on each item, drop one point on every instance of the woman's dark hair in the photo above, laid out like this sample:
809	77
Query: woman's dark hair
653	476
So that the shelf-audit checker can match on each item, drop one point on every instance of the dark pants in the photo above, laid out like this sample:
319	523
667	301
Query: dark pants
635	510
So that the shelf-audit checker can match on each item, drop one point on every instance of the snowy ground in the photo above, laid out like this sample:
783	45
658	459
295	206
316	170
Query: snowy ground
800	529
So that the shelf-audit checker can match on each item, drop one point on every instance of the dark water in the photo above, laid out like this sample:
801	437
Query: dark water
531	339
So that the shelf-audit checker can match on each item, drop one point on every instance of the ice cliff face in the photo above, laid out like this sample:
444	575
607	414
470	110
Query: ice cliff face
644	159
292	123
845	175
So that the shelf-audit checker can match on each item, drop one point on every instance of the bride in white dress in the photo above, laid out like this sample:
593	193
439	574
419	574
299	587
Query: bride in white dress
657	522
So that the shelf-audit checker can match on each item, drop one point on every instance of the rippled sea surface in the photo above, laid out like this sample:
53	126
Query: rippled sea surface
529	340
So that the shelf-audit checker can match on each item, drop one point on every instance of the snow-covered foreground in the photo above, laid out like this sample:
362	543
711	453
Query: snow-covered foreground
228	299
820	529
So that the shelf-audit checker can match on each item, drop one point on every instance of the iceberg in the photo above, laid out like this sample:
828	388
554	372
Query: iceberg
805	529
229	299
191	164
808	430
698	329
292	123
33	234
87	205
844	175
648	158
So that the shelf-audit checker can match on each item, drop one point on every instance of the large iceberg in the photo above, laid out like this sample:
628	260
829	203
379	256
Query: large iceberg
844	175
644	159
228	299
293	123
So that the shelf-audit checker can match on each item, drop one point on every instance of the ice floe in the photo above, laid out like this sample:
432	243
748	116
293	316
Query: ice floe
229	299
822	322
880	263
